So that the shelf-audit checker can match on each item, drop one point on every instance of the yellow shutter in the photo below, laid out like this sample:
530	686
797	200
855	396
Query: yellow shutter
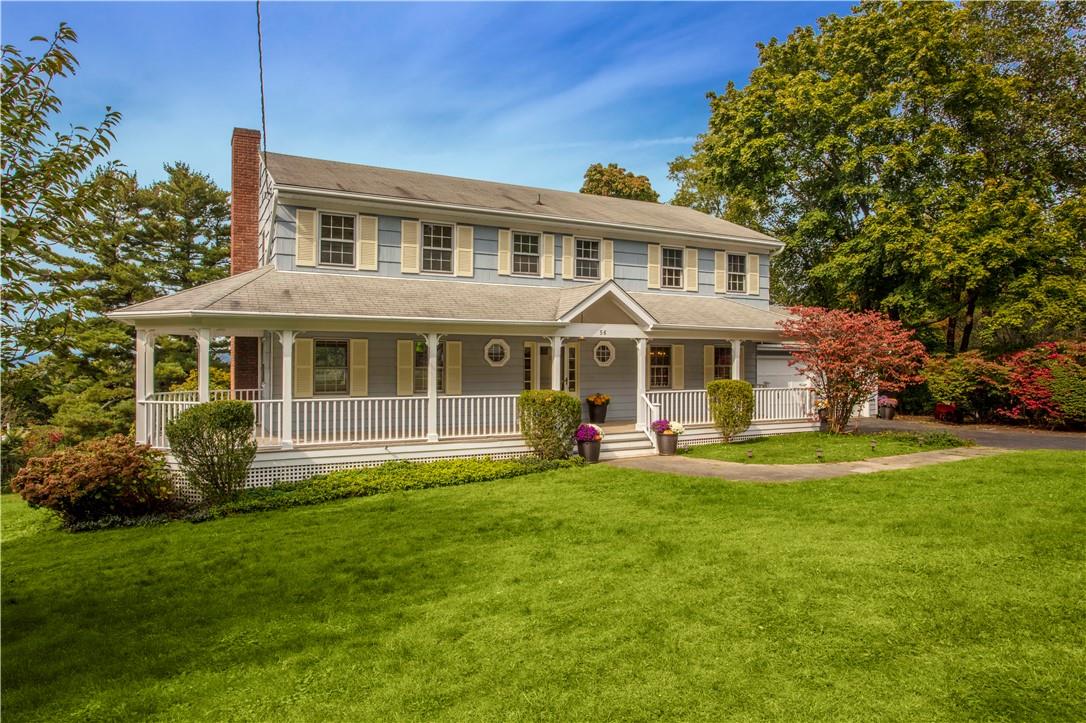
691	258
303	367
567	257
465	250
409	247
360	367
547	256
678	362
654	266
405	367
707	362
720	272
366	256
753	277
505	252
453	366
608	265
305	237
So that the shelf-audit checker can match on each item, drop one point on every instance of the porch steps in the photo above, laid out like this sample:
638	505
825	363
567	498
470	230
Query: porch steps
625	444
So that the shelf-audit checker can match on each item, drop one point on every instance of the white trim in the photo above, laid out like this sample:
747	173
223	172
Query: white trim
607	345
682	267
541	218
486	352
317	263
513	254
422	247
610	287
599	259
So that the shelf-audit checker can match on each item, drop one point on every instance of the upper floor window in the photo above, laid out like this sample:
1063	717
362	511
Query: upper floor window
526	253
337	239
737	273
437	248
722	362
329	367
422	365
587	259
671	268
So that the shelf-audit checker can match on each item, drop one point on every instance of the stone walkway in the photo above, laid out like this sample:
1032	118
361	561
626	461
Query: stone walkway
779	473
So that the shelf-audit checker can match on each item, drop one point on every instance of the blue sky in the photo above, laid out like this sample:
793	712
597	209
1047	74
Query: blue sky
523	93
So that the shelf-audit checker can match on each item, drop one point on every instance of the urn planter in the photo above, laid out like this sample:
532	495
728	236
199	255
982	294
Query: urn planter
666	444
597	413
590	451
887	412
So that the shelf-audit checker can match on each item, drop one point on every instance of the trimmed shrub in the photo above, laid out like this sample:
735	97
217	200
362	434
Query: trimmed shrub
1047	384
975	386
389	477
731	402
548	420
95	480
213	442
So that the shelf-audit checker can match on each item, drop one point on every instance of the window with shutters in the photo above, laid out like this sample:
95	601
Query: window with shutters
660	367
671	268
722	362
422	363
337	239
737	273
587	258
437	248
526	253
329	367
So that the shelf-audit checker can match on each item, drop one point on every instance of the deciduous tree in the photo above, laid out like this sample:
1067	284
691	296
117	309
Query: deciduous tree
614	180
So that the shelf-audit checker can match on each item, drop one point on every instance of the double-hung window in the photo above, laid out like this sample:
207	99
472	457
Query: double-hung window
437	248
737	273
659	367
337	239
671	268
329	367
422	365
722	362
587	258
526	253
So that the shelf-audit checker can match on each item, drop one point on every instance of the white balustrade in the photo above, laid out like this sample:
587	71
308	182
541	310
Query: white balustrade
652	412
688	406
157	414
771	404
359	419
478	416
191	395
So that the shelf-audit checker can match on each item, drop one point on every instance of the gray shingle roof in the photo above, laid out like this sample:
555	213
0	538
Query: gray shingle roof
409	186
267	291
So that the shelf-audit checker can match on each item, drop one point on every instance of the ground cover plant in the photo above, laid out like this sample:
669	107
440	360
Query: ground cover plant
939	593
803	447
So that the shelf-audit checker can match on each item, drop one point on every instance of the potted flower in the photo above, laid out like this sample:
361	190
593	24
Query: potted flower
887	407
822	409
667	435
597	408
588	438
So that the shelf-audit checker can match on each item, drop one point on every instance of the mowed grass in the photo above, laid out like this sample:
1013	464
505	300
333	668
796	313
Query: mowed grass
940	593
803	447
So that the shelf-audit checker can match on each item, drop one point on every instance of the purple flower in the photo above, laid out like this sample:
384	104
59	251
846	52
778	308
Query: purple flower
660	426
588	433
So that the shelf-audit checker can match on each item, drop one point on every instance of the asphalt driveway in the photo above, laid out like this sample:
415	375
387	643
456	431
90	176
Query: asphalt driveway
982	434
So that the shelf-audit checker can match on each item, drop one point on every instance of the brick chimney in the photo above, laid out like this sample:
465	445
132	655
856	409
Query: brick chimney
244	244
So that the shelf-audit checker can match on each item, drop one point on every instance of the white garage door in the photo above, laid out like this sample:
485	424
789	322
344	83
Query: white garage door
773	371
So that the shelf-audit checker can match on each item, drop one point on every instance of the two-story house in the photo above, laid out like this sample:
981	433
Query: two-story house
379	313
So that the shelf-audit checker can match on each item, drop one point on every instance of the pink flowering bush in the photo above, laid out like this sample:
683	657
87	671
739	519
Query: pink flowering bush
1047	384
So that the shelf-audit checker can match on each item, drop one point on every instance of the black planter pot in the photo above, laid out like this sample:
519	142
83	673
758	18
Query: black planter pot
823	422
597	413
590	451
666	444
887	412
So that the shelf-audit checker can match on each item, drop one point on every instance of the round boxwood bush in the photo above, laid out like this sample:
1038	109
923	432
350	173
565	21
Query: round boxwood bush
213	442
98	479
548	420
731	402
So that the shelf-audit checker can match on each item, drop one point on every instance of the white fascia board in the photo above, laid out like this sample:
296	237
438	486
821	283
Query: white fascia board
667	233
611	287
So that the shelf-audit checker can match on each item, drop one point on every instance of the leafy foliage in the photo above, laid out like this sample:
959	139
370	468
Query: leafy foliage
548	420
106	477
614	180
848	356
1047	384
396	476
975	385
213	442
731	402
923	159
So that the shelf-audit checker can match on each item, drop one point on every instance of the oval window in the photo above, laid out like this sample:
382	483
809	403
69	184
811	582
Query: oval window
604	353
496	352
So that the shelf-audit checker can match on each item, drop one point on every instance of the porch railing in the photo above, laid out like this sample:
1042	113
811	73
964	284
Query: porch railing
267	419
650	412
771	404
359	419
191	395
478	416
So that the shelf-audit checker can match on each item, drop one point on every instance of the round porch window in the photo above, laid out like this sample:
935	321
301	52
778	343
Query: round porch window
496	352
604	353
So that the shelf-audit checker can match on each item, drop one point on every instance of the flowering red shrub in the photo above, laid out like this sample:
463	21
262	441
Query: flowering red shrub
848	356
1047	384
99	478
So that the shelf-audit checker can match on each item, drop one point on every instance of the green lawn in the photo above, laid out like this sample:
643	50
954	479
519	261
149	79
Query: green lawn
803	447
939	593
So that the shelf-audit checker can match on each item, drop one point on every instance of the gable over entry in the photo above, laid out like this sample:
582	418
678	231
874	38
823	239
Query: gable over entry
607	312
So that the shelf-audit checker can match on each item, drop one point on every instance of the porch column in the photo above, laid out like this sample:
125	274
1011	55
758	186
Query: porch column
145	379
556	363
203	361
286	433
642	346
432	341
737	356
